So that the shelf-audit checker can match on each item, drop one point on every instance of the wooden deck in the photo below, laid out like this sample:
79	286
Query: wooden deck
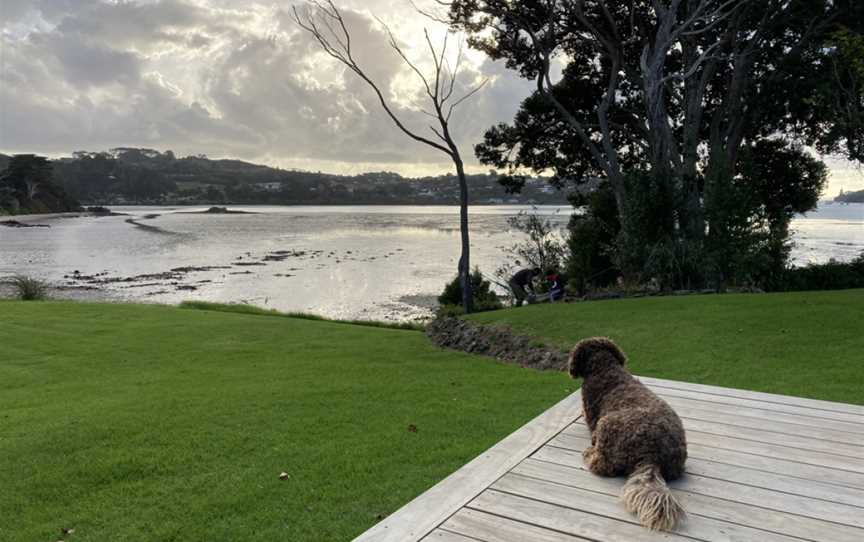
761	468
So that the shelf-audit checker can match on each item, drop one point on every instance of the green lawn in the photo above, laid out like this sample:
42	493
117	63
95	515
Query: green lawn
149	423
809	344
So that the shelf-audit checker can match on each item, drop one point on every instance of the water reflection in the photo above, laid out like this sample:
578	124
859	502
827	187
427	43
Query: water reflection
379	262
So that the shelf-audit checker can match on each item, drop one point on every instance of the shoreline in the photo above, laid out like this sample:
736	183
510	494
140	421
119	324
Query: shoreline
206	209
29	218
236	208
264	266
87	294
68	293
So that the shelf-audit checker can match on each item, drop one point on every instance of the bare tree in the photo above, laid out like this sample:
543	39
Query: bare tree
32	188
323	20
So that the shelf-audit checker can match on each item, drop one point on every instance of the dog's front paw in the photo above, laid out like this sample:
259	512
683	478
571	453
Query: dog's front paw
595	463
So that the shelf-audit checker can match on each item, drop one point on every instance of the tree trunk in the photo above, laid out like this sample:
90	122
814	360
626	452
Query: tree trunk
692	212
465	257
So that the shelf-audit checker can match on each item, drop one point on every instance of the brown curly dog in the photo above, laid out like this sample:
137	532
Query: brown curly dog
633	433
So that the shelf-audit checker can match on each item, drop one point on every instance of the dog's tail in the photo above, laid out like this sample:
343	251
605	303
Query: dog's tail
648	497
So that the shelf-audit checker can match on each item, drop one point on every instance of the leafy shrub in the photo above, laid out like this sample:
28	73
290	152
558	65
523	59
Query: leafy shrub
484	298
29	288
449	311
543	246
98	210
827	276
591	241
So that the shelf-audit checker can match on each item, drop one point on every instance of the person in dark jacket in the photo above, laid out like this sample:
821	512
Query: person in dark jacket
520	282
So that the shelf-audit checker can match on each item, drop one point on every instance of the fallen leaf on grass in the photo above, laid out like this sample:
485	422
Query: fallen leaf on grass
412	428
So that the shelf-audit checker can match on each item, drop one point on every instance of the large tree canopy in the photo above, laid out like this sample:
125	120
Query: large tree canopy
27	186
660	97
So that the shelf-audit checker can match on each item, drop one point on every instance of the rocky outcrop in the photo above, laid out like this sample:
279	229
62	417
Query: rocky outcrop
496	341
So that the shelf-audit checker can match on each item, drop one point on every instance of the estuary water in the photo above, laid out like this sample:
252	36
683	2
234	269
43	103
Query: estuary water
367	262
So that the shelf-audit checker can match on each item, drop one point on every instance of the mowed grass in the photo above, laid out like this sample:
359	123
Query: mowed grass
141	422
151	423
809	344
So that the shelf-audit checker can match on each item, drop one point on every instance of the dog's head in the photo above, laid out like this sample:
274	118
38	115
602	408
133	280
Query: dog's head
591	355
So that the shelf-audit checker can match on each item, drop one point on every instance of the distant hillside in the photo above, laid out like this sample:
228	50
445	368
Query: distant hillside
147	176
850	197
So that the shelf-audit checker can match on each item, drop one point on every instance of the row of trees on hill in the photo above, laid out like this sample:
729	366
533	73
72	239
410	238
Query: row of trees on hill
147	176
856	196
694	114
133	173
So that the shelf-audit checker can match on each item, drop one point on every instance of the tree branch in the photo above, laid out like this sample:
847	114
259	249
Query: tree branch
342	53
474	91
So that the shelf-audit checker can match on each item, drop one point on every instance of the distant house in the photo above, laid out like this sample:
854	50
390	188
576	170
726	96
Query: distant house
269	187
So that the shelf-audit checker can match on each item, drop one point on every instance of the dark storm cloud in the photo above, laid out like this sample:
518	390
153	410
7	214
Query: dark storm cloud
86	63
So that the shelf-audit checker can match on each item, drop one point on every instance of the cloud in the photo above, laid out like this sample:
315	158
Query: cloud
87	63
225	78
15	10
235	78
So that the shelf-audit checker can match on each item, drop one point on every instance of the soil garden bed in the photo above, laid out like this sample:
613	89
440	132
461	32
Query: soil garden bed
499	342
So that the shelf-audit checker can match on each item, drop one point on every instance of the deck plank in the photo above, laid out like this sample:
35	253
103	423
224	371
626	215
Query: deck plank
743	459
760	468
756	395
779	451
839	462
791	440
735	421
854	498
855	419
577	522
770	416
491	528
609	505
440	535
749	501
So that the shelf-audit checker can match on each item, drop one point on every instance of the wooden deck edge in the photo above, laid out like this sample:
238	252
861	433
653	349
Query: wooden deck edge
423	514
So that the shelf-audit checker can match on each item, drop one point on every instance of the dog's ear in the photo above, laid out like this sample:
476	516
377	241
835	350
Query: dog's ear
585	354
579	359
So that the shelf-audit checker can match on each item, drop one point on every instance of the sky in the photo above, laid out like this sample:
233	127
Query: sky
236	78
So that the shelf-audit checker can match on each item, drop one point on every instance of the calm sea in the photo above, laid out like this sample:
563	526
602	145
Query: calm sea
371	262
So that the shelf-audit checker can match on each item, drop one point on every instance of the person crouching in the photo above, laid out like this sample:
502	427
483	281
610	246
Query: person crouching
556	285
523	282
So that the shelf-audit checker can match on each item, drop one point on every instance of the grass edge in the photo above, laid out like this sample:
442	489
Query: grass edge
244	308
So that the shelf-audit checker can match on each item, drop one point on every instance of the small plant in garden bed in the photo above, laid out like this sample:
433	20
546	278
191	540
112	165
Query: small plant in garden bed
484	298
